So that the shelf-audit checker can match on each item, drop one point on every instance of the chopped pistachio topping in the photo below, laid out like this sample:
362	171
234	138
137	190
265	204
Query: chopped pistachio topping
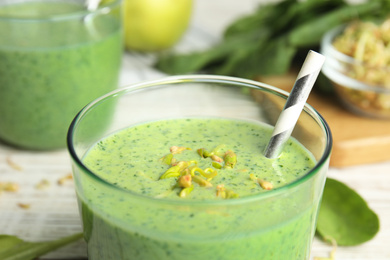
13	165
167	159
209	173
188	172
202	182
24	205
203	153
174	161
231	194
43	184
221	191
178	149
174	171
182	165
185	181
193	162
230	159
9	187
178	168
64	179
216	165
225	193
216	158
186	191
265	184
194	170
185	172
218	150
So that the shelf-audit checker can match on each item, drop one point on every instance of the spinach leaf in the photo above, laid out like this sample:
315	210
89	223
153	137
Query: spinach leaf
263	19
345	216
269	41
14	248
267	59
214	57
311	32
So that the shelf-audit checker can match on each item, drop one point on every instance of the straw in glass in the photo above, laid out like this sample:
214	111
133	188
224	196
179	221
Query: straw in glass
295	103
92	6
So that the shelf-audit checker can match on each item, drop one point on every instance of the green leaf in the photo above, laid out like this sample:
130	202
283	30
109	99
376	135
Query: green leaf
311	32
14	248
202	60
263	19
345	216
251	45
272	58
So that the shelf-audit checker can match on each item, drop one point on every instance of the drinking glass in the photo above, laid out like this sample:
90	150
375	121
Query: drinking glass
121	224
55	57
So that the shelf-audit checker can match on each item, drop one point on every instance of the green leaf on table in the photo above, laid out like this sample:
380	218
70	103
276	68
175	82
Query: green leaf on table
345	216
14	248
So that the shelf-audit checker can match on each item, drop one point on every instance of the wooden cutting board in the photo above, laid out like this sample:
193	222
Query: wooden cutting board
356	139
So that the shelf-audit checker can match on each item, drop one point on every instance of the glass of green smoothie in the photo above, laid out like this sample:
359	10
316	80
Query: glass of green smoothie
55	56
179	172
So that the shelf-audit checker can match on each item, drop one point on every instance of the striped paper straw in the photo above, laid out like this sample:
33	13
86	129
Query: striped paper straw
295	103
92	5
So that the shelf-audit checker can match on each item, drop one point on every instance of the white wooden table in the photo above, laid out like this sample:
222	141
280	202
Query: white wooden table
53	211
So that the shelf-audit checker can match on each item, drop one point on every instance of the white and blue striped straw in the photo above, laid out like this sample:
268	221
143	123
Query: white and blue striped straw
295	103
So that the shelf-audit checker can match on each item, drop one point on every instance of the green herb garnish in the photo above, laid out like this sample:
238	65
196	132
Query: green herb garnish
344	216
14	248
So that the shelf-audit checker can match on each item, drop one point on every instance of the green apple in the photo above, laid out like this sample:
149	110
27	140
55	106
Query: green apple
153	25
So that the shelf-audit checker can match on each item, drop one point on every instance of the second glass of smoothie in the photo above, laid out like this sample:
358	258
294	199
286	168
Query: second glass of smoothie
179	172
55	56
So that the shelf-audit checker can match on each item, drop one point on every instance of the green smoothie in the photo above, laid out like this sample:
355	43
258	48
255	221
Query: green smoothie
142	214
53	61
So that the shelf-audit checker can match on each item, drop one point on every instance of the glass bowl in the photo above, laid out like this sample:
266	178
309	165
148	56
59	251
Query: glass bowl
352	80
